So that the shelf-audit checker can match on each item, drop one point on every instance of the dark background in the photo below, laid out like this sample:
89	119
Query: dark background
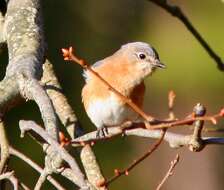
98	28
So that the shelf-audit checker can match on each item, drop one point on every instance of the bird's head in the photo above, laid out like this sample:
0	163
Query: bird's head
141	57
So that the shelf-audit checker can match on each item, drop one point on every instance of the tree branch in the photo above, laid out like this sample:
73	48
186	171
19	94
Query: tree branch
174	140
2	20
9	176
169	172
15	182
126	171
36	92
4	147
177	12
60	103
29	125
23	157
92	169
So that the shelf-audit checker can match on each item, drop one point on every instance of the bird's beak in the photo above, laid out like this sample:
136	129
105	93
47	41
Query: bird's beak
158	64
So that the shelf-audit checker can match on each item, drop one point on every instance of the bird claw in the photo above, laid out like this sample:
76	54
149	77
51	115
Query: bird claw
102	132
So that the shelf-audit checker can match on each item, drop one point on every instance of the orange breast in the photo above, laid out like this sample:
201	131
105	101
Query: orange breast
120	76
95	91
137	94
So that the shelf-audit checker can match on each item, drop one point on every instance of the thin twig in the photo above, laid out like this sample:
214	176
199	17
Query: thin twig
177	12
12	178
30	125
185	121
23	186
170	171
171	99
14	181
126	171
31	163
41	180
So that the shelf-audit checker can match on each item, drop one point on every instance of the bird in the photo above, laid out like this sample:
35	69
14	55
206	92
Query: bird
125	71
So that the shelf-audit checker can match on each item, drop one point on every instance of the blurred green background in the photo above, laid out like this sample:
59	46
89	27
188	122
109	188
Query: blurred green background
98	28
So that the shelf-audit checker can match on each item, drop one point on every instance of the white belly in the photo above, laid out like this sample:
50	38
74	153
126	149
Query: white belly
109	112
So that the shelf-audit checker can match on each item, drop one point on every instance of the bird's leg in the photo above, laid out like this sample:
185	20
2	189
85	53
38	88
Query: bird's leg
102	132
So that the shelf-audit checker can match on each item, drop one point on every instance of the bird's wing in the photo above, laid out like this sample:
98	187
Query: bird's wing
85	73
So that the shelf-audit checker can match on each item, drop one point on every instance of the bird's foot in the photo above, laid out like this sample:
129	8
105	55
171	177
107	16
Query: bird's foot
102	132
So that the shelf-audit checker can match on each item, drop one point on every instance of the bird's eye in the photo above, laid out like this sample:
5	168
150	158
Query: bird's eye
141	55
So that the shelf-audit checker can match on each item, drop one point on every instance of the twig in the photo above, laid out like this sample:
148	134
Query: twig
15	182
171	98
177	12
30	125
23	186
31	163
8	175
185	121
126	171
41	180
69	56
170	171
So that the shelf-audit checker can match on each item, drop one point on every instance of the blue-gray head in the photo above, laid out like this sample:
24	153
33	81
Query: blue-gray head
142	56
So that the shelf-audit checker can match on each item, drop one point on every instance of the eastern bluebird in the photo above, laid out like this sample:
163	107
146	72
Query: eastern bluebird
125	71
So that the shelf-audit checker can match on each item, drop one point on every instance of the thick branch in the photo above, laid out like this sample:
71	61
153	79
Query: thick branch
2	20
25	39
24	35
60	103
9	94
174	140
33	90
93	171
